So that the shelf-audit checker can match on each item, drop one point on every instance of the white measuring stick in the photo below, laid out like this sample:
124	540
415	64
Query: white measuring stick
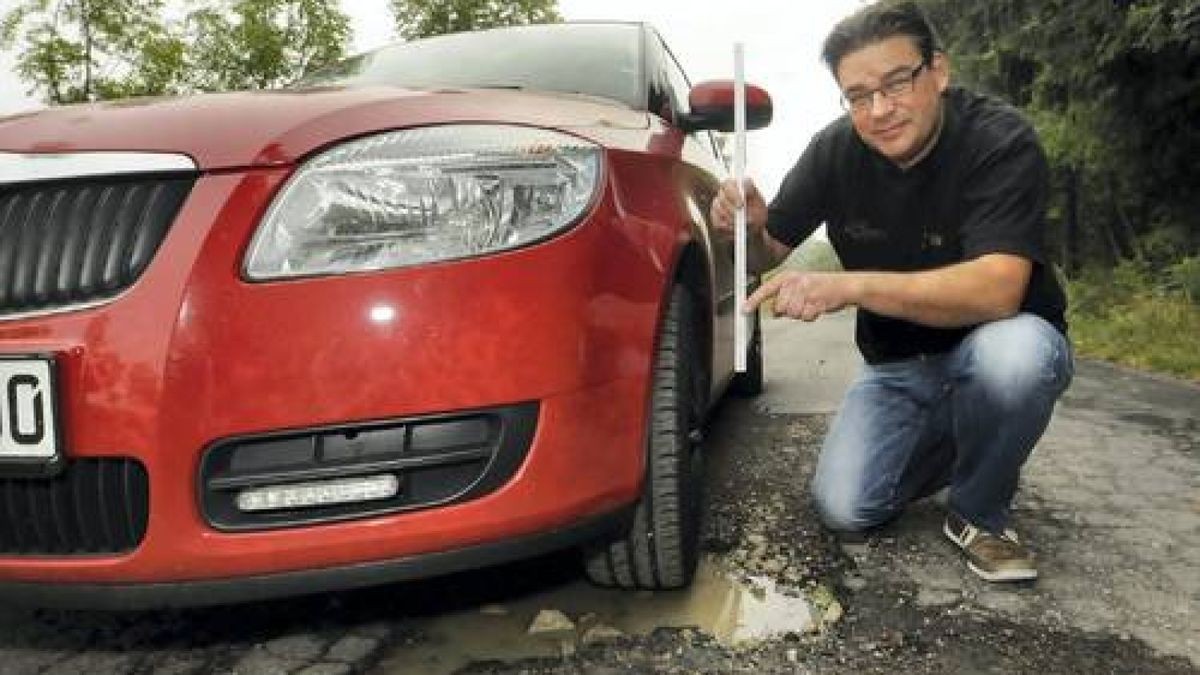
739	227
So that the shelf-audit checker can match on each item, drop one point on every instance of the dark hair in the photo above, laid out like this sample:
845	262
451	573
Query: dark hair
880	21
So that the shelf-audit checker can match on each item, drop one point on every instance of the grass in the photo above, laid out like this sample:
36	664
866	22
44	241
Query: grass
1139	314
1145	330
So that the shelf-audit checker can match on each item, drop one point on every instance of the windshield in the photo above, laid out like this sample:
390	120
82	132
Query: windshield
593	59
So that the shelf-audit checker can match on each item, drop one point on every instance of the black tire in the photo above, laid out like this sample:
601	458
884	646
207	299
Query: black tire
750	383
661	548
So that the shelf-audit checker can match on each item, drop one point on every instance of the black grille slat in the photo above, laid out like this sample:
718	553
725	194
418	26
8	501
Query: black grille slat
148	196
95	506
8	215
122	228
72	242
13	225
156	217
119	205
22	264
97	230
48	249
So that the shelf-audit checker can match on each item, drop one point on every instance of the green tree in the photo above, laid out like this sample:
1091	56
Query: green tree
423	18
80	50
259	44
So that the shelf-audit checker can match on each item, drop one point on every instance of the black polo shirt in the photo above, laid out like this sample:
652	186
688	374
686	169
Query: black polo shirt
982	189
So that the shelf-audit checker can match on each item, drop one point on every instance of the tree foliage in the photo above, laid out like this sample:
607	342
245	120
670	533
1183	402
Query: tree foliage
258	44
423	18
80	50
1114	90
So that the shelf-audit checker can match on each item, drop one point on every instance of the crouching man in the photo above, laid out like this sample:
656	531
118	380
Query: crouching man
934	199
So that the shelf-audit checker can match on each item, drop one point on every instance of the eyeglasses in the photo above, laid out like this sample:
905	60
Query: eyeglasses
860	101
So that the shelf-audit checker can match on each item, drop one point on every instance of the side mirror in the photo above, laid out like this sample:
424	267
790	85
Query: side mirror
712	107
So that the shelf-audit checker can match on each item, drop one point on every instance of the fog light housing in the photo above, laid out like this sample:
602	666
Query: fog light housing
318	493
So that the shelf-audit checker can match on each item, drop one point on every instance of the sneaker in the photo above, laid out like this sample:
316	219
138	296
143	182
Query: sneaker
994	557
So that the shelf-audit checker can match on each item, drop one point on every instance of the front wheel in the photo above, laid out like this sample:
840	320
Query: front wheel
661	548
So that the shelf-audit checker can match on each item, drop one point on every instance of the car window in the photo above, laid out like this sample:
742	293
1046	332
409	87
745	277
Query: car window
592	59
677	81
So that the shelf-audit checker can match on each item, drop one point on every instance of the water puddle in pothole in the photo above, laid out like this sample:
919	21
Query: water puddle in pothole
730	610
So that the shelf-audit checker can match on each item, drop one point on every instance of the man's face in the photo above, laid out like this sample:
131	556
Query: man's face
897	120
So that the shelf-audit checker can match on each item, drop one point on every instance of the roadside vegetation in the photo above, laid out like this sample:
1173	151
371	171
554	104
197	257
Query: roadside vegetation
1140	316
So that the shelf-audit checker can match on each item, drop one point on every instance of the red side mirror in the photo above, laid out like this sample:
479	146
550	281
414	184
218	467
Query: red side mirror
712	106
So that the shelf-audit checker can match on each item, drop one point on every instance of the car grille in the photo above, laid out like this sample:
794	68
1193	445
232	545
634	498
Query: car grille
437	460
73	242
93	506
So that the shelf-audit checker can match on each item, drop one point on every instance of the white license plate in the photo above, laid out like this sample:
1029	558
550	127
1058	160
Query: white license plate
28	419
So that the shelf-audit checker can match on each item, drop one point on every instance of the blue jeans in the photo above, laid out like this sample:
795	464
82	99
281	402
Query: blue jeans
967	418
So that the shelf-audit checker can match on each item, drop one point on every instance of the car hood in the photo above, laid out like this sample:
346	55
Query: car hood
269	128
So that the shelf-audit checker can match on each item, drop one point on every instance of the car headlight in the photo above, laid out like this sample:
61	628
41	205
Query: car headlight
424	195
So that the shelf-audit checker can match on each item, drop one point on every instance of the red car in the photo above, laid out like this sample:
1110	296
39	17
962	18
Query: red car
446	304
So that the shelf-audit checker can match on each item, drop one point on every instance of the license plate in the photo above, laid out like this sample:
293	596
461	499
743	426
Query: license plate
28	413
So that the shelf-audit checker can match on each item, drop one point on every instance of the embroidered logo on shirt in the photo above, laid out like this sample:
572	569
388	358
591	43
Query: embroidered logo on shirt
860	229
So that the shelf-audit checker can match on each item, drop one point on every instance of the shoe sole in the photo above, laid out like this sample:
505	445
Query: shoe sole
1001	576
1007	576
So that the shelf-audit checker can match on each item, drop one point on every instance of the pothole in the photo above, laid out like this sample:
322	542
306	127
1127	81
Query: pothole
733	611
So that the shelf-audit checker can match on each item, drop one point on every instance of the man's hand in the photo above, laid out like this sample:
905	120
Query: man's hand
806	295
727	201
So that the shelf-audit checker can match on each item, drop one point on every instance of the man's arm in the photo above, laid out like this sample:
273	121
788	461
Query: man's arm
763	252
987	288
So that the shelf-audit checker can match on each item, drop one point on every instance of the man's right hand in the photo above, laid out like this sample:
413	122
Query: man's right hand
728	200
